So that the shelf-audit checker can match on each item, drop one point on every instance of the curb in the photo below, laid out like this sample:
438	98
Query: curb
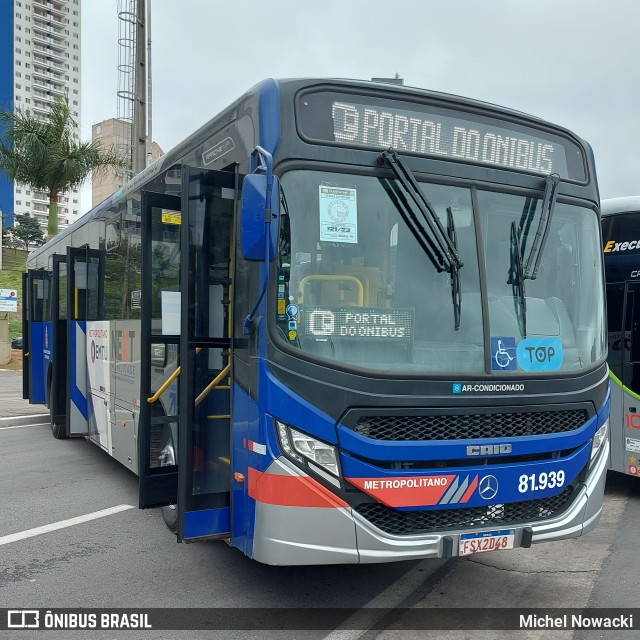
39	418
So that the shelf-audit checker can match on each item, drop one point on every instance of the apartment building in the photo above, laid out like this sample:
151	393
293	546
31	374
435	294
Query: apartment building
39	60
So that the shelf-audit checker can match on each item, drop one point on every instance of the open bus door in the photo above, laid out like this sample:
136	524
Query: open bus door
58	375
184	429
26	368
84	301
37	334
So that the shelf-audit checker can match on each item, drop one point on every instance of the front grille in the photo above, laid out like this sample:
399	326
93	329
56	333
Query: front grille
470	426
413	522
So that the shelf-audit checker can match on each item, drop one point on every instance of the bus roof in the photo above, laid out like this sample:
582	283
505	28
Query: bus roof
293	84
626	204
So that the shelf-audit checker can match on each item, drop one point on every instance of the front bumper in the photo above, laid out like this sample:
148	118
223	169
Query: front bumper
335	534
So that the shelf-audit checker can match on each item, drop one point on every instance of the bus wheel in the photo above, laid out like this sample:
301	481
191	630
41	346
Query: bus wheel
167	458
58	430
170	516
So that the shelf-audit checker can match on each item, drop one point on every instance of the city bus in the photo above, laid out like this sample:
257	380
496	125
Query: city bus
620	236
337	325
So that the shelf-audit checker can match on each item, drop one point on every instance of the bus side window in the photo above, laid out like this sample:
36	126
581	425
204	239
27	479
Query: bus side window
617	341
634	299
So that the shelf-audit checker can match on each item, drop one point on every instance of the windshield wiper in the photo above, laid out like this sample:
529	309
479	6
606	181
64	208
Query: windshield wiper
439	245
530	270
537	249
456	294
410	185
413	224
518	277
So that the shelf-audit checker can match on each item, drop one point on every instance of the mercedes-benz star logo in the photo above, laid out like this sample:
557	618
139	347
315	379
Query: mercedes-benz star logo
488	488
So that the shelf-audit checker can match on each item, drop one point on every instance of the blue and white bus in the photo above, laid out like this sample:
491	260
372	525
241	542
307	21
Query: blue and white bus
343	322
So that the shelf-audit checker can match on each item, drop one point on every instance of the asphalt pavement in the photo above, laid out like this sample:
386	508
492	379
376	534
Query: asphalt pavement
13	407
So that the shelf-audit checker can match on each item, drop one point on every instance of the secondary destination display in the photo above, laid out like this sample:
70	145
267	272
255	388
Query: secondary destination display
437	132
359	322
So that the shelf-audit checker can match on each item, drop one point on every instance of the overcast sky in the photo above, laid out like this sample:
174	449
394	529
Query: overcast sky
572	62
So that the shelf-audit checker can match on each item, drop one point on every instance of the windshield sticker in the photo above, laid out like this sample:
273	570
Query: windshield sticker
338	214
632	444
540	354
503	354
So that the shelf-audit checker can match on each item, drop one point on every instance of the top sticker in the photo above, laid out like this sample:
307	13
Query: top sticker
540	354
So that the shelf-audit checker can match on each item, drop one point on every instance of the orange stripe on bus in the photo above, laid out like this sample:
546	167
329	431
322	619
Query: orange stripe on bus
290	491
469	492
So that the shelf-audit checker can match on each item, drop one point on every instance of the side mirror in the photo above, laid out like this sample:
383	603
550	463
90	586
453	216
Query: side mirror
254	226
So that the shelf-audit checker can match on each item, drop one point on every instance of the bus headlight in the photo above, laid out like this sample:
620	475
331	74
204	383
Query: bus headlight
298	445
599	438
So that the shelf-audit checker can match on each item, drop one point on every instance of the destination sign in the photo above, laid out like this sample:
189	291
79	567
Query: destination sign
359	322
438	132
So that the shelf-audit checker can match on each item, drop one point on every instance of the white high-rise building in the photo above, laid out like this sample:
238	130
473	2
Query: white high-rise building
39	60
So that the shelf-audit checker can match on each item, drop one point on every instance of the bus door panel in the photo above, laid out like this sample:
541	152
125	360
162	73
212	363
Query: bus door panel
59	318
87	413
122	380
631	365
157	431
26	351
204	450
38	335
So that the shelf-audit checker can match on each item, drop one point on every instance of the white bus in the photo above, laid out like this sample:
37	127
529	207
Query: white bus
621	247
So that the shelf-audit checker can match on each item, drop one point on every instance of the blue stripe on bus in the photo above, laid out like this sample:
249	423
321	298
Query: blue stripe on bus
283	403
38	362
457	449
198	524
248	425
513	482
77	395
269	115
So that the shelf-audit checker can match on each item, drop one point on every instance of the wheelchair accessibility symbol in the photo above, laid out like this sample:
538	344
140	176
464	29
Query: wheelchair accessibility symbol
503	354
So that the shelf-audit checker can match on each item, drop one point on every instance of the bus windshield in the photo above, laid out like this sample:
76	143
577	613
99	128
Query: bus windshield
357	284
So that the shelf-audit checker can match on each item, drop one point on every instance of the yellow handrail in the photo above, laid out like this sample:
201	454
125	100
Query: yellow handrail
167	382
163	388
345	278
212	384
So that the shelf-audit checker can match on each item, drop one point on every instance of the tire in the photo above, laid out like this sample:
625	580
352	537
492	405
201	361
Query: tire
58	430
170	517
168	458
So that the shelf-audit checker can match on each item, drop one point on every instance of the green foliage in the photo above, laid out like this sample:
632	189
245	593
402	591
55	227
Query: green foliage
45	154
122	276
13	264
28	231
8	239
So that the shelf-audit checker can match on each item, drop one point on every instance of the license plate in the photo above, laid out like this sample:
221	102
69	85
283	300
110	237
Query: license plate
482	541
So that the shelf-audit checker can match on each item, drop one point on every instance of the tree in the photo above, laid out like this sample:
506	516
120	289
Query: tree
28	231
46	154
8	239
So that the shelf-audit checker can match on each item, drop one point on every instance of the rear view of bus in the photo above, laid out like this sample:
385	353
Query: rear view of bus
621	248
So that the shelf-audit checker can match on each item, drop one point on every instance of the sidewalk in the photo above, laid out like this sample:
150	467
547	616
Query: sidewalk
13	408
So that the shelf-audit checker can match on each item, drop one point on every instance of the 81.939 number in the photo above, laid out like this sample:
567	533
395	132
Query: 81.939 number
541	481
